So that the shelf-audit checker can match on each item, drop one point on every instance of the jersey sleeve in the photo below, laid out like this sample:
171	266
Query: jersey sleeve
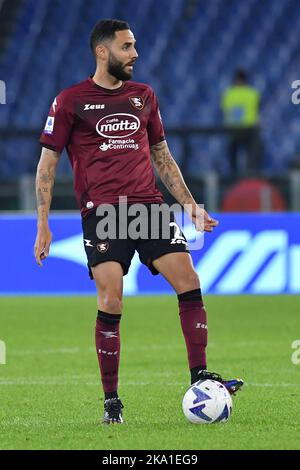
59	123
155	127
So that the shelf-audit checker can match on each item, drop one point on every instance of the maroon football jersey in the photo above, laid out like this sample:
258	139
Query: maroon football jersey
107	134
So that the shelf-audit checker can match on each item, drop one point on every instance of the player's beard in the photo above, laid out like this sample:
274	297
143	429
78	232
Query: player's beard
117	69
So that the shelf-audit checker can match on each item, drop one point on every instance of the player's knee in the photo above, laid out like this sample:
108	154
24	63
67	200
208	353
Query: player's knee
188	282
111	303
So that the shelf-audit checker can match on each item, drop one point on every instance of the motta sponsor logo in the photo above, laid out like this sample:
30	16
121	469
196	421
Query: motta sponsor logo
118	126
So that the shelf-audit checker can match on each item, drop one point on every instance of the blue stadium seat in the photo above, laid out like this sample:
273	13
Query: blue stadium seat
188	52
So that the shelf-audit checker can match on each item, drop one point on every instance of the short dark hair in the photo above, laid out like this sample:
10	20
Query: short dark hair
240	75
105	30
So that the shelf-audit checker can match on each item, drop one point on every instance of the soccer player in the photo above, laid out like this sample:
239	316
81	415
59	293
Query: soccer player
112	130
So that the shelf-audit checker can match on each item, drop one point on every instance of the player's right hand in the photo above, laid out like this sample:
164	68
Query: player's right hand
42	243
202	220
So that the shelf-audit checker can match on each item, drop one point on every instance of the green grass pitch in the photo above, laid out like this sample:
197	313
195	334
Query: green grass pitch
50	392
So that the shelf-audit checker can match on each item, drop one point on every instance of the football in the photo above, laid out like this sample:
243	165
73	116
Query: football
207	402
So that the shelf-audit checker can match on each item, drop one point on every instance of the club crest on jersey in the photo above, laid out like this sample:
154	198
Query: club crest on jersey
137	102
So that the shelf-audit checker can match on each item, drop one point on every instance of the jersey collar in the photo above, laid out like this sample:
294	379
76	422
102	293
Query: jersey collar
106	90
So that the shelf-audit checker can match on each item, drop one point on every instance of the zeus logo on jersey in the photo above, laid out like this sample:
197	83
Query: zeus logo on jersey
88	107
49	125
118	126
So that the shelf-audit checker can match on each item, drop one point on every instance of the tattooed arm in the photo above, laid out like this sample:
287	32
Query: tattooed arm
45	177
172	178
170	174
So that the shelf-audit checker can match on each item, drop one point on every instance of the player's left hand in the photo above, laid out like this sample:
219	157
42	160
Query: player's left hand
42	243
202	220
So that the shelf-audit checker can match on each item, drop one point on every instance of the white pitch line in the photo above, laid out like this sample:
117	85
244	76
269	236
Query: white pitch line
28	422
42	352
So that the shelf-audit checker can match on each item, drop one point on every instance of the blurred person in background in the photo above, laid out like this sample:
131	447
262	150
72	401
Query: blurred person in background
240	106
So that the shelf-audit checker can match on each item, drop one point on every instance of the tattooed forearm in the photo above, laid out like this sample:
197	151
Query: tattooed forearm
45	177
44	185
161	155
170	174
170	184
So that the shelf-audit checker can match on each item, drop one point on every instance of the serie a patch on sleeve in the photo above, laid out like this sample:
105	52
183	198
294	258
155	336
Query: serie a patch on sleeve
49	125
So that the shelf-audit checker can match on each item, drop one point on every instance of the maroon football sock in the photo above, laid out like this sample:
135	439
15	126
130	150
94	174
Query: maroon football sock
108	350
194	327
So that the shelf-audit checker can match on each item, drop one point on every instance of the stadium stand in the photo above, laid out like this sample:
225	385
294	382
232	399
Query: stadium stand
188	53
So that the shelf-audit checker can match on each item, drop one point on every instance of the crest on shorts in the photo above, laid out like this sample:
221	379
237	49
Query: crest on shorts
103	247
137	102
